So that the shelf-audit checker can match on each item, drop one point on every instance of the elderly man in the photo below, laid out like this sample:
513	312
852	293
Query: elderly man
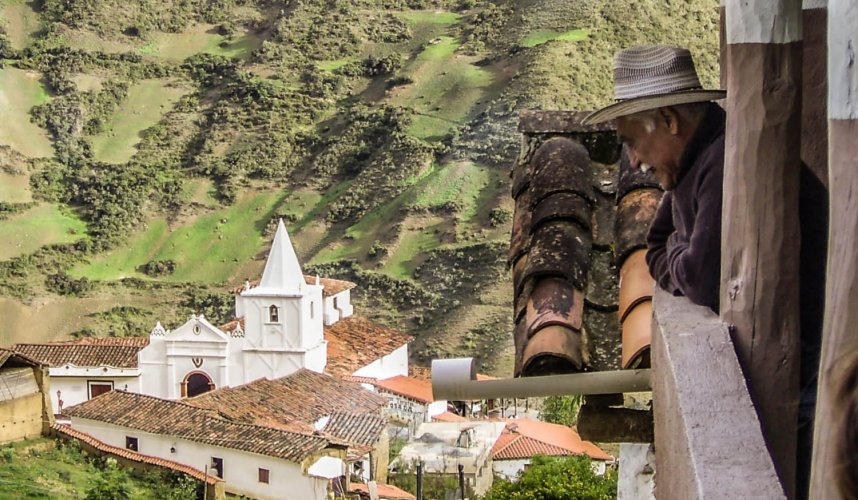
669	124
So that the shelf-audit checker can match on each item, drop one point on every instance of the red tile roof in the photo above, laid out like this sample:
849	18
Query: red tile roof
524	438
6	355
449	417
332	286
304	397
133	455
411	388
174	418
355	342
117	352
230	327
385	492
360	429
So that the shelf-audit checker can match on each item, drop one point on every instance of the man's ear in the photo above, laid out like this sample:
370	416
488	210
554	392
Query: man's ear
670	119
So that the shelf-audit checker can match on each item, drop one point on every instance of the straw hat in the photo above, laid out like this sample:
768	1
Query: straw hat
651	77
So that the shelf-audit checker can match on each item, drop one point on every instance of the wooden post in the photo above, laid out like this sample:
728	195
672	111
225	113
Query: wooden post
760	232
839	340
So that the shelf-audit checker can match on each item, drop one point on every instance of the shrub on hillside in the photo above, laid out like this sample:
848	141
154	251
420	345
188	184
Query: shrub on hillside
63	284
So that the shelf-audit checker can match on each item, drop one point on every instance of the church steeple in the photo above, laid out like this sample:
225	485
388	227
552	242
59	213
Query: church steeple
282	274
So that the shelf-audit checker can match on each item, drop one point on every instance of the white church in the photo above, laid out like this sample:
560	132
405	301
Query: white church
284	323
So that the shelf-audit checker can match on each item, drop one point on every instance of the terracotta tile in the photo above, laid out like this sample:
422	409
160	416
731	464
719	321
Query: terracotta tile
636	284
559	248
603	221
601	291
332	286
554	301
560	165
569	206
634	215
521	288
554	350
521	225
520	179
637	333
519	339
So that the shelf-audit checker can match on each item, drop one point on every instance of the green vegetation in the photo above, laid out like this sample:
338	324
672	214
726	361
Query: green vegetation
15	188
561	410
447	86
142	108
45	224
20	91
202	38
570	478
44	468
20	22
544	36
207	249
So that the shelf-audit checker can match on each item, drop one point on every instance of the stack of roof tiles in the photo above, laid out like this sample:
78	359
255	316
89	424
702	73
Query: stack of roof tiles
568	238
118	352
184	421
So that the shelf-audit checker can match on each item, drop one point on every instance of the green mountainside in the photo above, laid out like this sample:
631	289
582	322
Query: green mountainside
147	149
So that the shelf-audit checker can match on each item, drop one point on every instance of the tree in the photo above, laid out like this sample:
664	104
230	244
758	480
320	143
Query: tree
570	478
561	410
111	484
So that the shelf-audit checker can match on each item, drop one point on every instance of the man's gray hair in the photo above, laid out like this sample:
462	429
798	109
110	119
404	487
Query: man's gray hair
691	113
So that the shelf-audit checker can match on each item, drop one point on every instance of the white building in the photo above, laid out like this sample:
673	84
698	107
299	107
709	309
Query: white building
253	460
284	322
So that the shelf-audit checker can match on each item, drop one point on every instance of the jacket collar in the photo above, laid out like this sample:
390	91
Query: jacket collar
711	127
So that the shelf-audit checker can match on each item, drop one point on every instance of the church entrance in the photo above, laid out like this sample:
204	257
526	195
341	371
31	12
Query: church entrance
196	383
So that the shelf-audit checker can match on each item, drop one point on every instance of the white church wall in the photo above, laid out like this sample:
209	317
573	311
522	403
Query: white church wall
392	365
332	314
240	469
74	390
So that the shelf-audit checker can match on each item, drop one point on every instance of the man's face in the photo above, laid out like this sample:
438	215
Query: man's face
660	148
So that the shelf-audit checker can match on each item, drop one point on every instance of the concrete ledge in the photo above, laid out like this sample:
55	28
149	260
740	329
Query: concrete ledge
707	436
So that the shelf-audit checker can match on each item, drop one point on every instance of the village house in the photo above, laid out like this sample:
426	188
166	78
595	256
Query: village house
410	400
522	439
25	410
284	322
310	402
259	461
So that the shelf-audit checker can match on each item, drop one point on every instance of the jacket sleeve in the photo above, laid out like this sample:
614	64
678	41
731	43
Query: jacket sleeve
694	265
656	242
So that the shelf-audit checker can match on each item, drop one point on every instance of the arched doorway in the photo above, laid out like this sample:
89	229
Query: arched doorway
196	383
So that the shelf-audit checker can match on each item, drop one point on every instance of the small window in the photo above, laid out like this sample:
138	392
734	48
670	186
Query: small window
273	314
335	302
312	309
263	476
217	466
131	443
99	388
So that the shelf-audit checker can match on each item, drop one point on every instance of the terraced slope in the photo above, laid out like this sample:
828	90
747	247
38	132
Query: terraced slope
381	131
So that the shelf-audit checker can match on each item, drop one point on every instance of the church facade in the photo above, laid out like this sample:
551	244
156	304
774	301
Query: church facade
284	323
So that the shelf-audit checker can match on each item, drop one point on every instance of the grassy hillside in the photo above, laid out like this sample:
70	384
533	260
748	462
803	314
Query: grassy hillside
381	131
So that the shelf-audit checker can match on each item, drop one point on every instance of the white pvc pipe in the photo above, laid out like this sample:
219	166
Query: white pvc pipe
455	380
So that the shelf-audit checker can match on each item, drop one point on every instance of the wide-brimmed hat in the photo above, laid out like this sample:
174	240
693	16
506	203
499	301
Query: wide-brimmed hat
651	77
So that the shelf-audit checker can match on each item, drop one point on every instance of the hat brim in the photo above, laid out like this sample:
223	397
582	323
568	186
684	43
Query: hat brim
646	103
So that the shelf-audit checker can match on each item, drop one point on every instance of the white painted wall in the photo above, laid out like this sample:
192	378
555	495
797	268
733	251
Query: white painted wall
392	365
343	308
509	469
241	469
74	389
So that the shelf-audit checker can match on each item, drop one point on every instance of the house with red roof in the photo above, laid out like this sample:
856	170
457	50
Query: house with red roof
522	439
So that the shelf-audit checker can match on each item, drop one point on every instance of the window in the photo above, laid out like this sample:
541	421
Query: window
263	475
217	466
312	309
273	314
131	443
99	388
335	302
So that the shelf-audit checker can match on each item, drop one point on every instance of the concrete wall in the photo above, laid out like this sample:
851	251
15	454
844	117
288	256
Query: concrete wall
707	434
240	468
21	418
395	363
